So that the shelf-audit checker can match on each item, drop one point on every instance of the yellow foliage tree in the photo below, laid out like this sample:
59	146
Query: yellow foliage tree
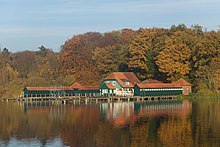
173	59
176	132
105	60
138	51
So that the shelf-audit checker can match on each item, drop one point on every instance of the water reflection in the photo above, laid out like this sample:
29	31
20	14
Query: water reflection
173	123
128	113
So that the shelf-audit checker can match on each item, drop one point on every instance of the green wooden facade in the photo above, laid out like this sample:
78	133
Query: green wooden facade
113	82
89	93
105	91
57	93
156	91
47	93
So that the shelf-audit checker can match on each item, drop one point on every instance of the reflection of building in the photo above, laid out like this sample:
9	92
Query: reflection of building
119	113
126	113
152	109
46	109
114	110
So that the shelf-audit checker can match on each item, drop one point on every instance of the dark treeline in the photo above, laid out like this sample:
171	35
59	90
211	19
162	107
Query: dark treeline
163	54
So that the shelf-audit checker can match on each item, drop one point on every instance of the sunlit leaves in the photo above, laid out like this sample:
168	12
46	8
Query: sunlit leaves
138	51
174	58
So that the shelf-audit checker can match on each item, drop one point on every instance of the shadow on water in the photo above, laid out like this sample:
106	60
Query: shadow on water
169	123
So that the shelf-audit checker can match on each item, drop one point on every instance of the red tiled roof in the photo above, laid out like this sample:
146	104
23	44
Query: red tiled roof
75	85
158	85
110	86
151	81
124	76
47	88
115	75
182	82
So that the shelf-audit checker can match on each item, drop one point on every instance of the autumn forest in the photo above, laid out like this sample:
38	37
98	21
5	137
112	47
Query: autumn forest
164	54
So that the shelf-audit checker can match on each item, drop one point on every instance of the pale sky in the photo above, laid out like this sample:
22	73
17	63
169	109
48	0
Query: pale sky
28	24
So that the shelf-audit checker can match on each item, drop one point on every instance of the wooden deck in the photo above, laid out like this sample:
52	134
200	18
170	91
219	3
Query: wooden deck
76	99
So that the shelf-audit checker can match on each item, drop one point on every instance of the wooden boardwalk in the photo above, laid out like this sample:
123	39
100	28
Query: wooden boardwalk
76	99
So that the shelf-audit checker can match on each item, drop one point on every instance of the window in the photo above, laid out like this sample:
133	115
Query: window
113	83
104	90
127	83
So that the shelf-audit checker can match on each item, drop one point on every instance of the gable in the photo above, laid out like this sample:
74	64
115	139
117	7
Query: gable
125	79
182	82
113	82
108	86
75	85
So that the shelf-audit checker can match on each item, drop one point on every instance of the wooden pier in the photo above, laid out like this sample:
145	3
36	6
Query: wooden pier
77	99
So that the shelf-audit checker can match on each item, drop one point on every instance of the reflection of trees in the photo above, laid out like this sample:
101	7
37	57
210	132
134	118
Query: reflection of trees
79	126
139	135
38	125
11	122
14	122
109	136
206	121
105	135
144	122
83	126
176	132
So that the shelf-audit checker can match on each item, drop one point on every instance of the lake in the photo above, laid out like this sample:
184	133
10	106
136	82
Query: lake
121	124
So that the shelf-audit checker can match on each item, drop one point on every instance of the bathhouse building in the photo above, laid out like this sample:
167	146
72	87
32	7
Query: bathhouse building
186	86
152	87
119	84
47	91
127	84
116	84
75	89
157	89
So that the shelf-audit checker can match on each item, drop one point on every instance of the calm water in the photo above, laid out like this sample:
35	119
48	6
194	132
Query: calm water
176	123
